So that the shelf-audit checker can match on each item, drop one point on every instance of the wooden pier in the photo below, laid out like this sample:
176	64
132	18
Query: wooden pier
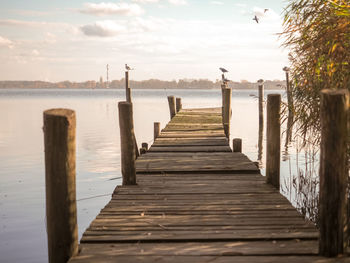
197	201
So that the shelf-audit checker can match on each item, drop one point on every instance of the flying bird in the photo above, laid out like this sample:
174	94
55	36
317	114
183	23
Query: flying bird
265	10
128	68
223	70
256	19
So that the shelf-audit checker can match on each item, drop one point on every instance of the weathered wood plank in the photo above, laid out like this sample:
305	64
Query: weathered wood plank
190	149
196	201
109	258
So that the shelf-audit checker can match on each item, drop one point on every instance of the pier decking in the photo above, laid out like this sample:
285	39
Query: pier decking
197	201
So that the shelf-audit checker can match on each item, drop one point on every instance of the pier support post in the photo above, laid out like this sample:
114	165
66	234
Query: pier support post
127	88
144	145
333	172
261	103
156	131
61	207
178	104
273	140
223	86
127	143
227	111
237	145
172	108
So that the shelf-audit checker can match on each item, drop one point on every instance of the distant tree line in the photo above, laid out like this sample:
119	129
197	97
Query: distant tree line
144	84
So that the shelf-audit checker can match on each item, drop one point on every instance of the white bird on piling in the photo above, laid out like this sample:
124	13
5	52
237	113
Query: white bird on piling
128	68
226	80
223	70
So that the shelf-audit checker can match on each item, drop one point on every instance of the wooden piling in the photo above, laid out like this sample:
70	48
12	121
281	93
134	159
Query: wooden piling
227	111
261	103
172	108
223	86
178	104
127	88
273	140
156	131
237	145
127	143
61	208
144	145
143	150
333	172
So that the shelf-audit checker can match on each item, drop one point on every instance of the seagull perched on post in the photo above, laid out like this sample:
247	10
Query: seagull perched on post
128	68
223	70
256	19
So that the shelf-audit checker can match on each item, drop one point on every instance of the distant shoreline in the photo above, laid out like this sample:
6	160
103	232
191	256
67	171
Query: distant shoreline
139	85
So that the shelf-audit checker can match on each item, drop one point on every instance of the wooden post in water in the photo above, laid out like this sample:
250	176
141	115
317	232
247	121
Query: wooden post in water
127	143
127	88
273	140
227	111
61	207
171	101
333	172
178	104
223	87
261	102
237	145
156	131
144	145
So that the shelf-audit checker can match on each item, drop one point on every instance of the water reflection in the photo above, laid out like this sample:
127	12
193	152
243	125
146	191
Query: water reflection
22	192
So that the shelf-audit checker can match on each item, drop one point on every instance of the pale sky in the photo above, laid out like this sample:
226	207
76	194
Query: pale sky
56	40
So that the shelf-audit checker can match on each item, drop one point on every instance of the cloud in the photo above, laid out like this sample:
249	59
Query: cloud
240	5
101	9
50	38
216	3
145	1
106	28
4	42
35	52
178	2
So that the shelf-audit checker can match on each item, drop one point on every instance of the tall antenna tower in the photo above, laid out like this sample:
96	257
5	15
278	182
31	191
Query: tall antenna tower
107	76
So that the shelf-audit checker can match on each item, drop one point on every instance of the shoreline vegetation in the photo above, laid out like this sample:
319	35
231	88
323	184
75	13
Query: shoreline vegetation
144	84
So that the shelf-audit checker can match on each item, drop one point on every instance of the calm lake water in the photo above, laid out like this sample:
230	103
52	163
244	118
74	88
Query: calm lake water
22	177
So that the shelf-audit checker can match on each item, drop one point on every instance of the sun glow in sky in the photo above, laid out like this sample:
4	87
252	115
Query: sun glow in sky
164	39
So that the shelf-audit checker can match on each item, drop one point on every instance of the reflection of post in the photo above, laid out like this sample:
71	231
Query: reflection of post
289	130
273	140
333	172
